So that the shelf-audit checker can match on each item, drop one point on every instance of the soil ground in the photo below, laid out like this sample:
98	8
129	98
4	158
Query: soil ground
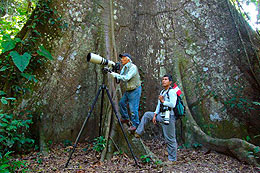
85	159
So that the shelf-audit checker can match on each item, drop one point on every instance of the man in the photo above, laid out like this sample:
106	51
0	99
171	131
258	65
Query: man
166	100
130	75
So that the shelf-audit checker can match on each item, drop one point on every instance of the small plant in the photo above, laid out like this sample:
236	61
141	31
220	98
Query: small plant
237	101
158	162
12	132
254	153
257	136
99	143
8	164
196	145
67	143
208	128
185	145
145	159
118	152
12	137
247	138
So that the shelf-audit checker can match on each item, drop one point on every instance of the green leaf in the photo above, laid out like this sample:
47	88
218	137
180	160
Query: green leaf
8	45
4	101
2	167
256	149
29	77
21	61
5	120
10	98
3	124
17	40
243	100
256	103
256	136
43	52
9	128
2	93
3	68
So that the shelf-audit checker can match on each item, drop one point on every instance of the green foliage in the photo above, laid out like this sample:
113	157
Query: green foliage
21	61
67	143
247	138
208	128
4	100
256	103
16	15
8	164
43	52
99	143
12	137
30	77
145	158
196	145
254	152
158	162
12	132
185	145
118	153
18	65
237	101
257	136
8	43
189	145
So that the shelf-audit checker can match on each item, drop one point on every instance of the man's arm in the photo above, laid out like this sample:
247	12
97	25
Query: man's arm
132	71
173	99
156	112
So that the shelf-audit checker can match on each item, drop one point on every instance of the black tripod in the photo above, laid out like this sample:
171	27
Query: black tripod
101	88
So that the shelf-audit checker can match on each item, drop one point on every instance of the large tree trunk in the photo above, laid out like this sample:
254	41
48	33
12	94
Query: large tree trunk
113	132
206	45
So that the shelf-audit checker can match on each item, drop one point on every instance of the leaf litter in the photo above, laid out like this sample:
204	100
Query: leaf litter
85	159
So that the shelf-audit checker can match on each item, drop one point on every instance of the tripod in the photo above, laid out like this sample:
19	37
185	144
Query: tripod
102	88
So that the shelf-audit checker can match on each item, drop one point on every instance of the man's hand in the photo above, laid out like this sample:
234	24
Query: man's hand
161	98
154	118
114	74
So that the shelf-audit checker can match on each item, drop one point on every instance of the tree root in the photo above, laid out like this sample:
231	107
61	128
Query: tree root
240	149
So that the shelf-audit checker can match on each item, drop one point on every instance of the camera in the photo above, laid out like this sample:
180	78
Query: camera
165	114
96	59
110	65
163	108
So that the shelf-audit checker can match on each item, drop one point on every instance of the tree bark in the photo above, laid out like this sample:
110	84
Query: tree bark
196	41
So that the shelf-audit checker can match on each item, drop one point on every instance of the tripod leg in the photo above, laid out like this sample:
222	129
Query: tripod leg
83	126
101	111
114	110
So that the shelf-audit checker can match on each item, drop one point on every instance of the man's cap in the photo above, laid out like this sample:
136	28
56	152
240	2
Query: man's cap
125	54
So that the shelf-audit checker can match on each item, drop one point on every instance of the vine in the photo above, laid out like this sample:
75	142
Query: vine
21	59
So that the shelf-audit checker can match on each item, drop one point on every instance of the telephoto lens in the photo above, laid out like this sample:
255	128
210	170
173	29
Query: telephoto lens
166	117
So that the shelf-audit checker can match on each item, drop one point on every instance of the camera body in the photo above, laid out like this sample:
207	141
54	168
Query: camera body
165	114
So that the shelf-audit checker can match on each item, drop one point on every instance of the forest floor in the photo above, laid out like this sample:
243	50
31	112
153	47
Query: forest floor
85	159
